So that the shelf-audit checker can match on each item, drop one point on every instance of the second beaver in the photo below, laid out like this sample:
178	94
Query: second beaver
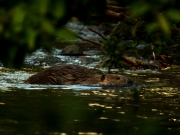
73	74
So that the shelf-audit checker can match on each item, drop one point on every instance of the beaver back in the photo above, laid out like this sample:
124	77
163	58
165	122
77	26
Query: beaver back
61	74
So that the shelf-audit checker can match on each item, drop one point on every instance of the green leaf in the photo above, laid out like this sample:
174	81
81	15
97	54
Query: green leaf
31	35
133	32
163	23
18	16
47	26
42	5
116	52
59	9
173	14
138	8
66	34
150	27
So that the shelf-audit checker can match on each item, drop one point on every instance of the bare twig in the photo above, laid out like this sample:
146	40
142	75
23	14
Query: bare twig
90	41
115	15
97	33
117	8
154	56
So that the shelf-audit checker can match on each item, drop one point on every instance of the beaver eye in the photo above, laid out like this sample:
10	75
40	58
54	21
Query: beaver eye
103	77
118	78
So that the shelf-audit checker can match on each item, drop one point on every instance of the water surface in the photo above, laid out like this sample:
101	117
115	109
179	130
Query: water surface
150	107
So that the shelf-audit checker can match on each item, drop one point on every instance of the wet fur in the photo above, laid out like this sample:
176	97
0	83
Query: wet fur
73	74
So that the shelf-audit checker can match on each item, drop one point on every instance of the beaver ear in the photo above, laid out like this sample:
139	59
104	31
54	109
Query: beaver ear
103	77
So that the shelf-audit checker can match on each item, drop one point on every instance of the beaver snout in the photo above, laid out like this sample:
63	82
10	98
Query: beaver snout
129	81
125	78
115	79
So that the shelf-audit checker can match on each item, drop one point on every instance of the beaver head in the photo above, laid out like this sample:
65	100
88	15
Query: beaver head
111	79
115	79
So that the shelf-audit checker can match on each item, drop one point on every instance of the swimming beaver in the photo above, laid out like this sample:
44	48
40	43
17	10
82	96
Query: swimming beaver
73	74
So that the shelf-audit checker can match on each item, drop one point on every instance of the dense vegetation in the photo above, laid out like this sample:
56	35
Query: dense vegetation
28	25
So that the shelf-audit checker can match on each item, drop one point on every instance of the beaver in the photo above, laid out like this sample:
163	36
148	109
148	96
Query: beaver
73	74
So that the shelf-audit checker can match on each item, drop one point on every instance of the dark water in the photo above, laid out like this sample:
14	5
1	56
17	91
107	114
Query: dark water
149	107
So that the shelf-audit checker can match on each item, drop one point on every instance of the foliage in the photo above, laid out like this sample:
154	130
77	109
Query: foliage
28	25
147	22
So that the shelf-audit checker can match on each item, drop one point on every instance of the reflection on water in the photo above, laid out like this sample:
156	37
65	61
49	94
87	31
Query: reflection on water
151	106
